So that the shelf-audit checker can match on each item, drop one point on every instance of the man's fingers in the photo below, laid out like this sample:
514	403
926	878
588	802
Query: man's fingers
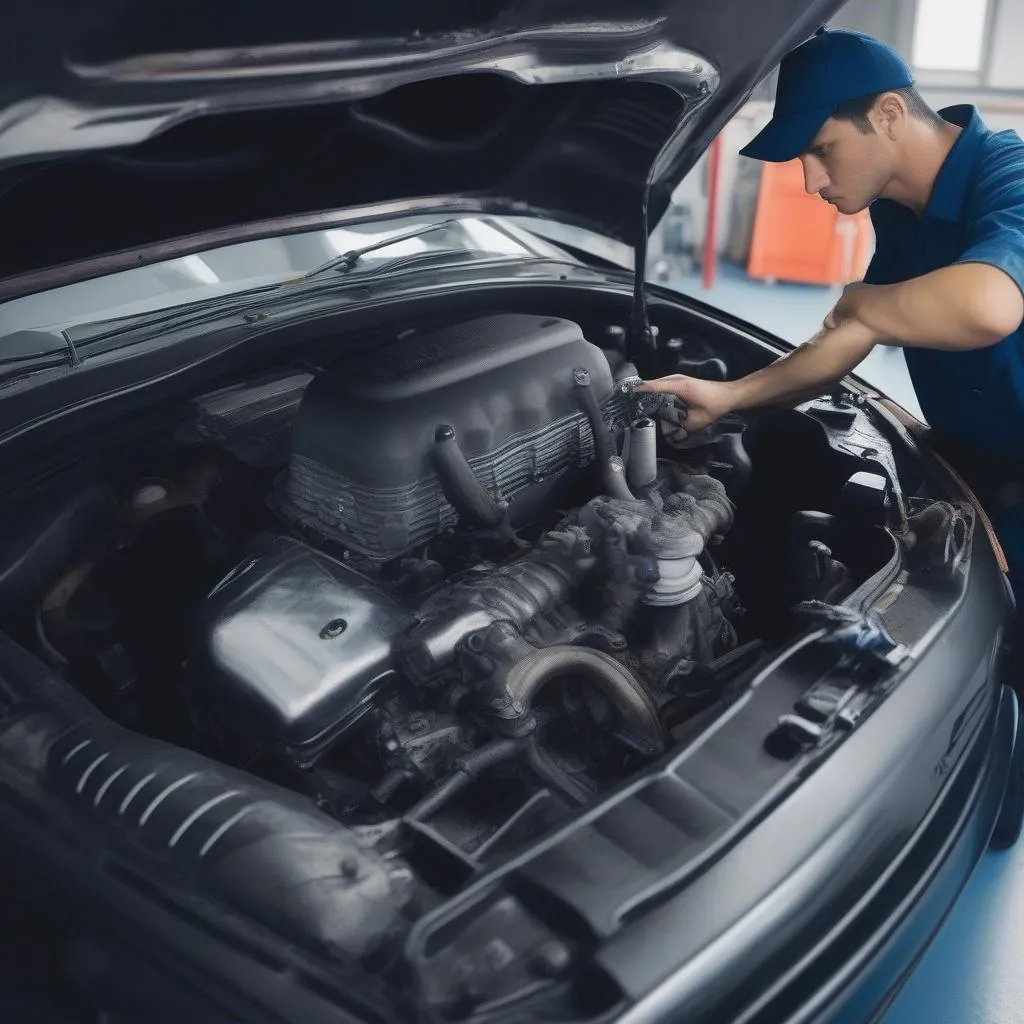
672	414
672	432
660	386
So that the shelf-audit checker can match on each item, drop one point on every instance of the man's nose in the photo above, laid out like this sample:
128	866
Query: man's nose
815	177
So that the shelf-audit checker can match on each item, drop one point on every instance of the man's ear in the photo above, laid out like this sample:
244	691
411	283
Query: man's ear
890	114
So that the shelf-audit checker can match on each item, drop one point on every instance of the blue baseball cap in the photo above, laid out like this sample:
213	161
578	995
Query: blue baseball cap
833	66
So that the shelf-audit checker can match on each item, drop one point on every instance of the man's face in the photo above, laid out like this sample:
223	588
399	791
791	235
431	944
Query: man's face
846	166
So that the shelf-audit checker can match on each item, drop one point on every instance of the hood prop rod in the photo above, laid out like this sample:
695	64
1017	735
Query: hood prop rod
641	338
641	347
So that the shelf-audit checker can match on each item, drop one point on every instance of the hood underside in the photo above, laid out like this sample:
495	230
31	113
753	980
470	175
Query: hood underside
122	124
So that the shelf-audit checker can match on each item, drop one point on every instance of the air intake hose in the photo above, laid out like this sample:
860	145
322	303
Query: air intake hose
520	671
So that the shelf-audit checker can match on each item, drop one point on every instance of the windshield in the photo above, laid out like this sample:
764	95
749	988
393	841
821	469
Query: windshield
243	266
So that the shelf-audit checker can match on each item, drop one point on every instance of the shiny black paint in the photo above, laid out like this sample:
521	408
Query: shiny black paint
831	892
115	831
276	649
934	870
122	124
804	867
812	862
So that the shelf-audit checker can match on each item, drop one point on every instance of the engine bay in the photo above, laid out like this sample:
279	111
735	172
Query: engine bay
448	589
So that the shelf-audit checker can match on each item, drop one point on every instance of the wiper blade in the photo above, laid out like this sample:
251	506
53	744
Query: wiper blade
15	368
445	257
191	313
101	336
35	354
347	260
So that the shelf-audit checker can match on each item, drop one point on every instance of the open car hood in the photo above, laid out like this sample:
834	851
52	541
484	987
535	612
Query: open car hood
126	123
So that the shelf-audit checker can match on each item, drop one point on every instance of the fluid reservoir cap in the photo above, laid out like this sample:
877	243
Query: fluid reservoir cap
864	496
150	494
873	483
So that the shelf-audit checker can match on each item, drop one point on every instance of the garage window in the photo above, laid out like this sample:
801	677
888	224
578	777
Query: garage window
950	35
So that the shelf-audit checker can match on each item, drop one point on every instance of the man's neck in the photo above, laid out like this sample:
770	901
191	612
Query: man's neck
924	153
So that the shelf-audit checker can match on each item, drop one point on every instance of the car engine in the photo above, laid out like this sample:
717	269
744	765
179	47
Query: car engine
463	422
376	617
422	619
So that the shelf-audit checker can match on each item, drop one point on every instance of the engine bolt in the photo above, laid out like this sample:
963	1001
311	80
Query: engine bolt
333	629
552	960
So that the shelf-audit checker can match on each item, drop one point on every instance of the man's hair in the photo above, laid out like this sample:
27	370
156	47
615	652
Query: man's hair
856	111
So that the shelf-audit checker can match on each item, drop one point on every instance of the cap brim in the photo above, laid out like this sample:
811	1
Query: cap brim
785	137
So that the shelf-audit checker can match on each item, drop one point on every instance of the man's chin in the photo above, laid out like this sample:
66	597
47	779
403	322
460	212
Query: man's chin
847	206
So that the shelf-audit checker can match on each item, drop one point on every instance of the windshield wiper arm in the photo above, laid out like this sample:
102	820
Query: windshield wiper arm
14	367
347	260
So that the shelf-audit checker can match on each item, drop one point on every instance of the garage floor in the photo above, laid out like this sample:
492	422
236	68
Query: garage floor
973	973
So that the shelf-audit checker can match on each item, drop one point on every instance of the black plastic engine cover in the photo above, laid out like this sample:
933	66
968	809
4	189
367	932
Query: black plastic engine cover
361	470
296	645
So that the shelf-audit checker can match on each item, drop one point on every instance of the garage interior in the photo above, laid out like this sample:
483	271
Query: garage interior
724	241
735	236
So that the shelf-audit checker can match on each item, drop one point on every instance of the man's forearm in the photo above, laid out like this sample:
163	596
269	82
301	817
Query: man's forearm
823	360
960	307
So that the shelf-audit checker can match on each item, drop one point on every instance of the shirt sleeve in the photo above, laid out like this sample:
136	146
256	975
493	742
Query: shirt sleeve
995	217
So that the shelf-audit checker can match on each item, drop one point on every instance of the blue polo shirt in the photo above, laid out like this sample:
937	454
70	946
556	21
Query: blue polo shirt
975	214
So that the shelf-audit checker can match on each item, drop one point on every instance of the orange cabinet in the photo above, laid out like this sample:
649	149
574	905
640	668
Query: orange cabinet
799	237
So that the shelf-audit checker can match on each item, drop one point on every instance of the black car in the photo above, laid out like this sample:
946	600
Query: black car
372	649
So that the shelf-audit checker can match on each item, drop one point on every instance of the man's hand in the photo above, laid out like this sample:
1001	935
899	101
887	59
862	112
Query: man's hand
704	401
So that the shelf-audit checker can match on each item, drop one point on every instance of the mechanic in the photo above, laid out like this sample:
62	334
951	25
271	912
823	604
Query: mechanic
946	198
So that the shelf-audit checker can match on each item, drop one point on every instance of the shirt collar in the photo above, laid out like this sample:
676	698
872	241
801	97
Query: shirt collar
950	189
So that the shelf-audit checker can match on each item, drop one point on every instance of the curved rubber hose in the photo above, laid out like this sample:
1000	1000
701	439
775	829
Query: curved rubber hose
389	785
460	484
613	477
467	769
528	676
613	472
556	777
